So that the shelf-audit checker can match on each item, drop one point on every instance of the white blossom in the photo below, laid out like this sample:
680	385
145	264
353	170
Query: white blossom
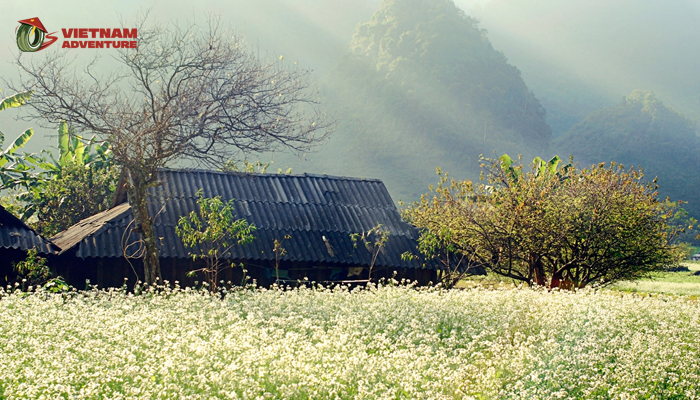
383	343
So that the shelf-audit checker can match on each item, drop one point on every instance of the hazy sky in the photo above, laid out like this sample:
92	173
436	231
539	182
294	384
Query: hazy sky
612	46
609	46
313	32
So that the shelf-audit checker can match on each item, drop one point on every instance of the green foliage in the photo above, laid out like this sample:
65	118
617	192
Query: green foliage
76	185
73	194
20	141
211	233
14	171
33	269
374	240
686	250
552	226
15	100
642	132
251	167
455	264
74	150
246	166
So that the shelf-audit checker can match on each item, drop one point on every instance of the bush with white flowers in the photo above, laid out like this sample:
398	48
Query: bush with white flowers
389	342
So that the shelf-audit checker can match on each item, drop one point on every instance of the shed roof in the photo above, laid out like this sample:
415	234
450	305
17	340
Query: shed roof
317	212
15	234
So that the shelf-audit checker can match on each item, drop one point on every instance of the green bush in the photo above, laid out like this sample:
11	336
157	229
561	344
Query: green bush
553	226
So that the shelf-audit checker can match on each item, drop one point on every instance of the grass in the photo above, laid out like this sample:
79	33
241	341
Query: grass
390	342
673	283
676	283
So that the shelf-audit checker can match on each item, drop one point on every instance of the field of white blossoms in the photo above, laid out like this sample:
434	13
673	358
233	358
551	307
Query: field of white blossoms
385	343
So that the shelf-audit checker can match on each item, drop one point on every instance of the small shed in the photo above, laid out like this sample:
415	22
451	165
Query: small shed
15	239
313	216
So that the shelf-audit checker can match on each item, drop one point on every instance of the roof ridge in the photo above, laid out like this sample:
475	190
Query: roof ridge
272	174
158	223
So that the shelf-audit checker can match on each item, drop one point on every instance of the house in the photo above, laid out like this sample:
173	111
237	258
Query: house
15	239
695	257
312	216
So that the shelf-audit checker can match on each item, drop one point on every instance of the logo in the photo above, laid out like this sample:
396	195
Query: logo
31	34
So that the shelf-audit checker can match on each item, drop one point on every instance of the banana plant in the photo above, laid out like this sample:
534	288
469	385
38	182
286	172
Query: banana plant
14	170
73	150
541	168
33	174
513	172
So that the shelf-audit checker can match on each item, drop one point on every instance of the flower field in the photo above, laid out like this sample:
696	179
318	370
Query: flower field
384	343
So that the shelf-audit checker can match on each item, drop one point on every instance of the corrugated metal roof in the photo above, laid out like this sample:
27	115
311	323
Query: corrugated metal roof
307	208
89	226
15	234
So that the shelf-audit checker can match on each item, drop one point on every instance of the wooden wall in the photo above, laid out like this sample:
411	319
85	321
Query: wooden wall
111	272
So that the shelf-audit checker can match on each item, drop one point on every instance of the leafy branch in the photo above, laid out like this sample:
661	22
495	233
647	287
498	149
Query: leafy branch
212	233
374	240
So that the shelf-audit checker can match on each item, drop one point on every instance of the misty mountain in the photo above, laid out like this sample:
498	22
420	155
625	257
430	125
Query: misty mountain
421	84
642	132
421	87
579	56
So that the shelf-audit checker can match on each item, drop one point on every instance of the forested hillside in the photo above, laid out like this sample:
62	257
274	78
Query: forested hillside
642	131
420	87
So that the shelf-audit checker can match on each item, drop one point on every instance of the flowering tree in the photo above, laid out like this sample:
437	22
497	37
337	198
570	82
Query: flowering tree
554	226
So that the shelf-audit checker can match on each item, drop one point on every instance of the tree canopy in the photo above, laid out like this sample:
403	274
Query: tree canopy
555	226
14	171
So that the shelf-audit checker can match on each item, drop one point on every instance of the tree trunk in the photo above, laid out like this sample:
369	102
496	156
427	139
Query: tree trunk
558	281
537	275
136	190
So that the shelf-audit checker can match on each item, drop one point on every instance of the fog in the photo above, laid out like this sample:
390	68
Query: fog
576	57
596	51
313	32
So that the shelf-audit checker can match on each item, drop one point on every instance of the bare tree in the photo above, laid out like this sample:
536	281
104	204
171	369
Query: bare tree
184	93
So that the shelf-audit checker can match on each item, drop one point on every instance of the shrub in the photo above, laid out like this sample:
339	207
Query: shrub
212	233
33	269
553	226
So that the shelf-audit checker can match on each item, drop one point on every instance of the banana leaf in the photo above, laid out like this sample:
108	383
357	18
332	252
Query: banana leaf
514	174
7	154
19	142
63	143
553	164
15	100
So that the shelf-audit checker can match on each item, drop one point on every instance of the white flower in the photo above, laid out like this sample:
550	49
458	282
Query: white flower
383	343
